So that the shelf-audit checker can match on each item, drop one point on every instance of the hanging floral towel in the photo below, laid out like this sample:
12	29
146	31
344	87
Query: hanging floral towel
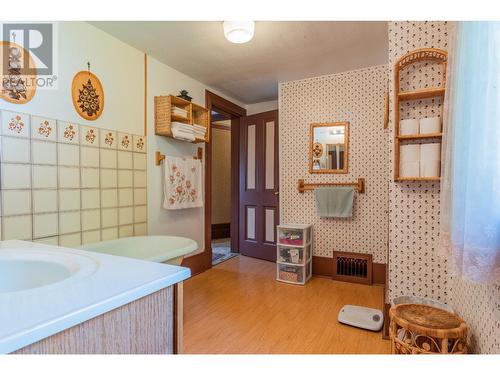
183	187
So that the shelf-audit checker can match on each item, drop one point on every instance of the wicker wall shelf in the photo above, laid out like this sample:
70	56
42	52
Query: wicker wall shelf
420	136
421	94
196	114
432	55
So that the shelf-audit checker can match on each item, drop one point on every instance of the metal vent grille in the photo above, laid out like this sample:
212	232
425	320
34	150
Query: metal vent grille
352	267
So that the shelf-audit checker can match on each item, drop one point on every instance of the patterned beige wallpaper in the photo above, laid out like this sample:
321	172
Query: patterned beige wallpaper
414	265
354	96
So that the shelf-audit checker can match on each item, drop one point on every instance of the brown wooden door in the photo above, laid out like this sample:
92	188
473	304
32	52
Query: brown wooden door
259	185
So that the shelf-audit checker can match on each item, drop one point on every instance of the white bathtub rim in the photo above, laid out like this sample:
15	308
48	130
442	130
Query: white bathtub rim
190	247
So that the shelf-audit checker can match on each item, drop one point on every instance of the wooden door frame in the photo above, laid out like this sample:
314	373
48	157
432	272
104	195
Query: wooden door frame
203	261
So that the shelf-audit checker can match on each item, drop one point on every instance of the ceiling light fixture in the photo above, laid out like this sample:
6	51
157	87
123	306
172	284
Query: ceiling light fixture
239	31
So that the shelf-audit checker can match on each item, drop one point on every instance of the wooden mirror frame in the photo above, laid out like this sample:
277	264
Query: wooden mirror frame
346	143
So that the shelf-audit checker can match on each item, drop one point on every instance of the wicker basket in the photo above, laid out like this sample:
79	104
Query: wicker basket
421	329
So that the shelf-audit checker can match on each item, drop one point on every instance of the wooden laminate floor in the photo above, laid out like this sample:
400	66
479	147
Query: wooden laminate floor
238	307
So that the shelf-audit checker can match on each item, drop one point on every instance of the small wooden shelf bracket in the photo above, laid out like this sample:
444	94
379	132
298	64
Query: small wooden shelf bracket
359	186
159	157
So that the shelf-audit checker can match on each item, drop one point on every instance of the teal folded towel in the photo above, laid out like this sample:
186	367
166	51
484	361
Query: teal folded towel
334	201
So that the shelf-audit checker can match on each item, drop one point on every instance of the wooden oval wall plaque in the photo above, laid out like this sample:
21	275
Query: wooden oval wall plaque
88	95
18	86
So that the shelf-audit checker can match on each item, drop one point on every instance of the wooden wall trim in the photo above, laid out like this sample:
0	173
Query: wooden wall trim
145	94
203	261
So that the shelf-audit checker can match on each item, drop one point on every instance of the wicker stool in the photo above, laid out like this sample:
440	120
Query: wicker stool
421	329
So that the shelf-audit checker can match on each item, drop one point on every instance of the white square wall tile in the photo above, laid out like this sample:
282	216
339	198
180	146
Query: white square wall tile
90	199
109	234
140	196
70	240
15	124
44	201
68	132
109	178
109	198
16	176
124	142
126	231
45	225
90	177
141	229
44	177
89	157
68	155
126	197
17	227
43	128
125	215
125	179
139	144
92	236
15	150
69	177
109	217
108	158
44	152
140	161
140	214
89	136
109	138
91	219
69	200
53	241
125	160
16	202
69	222
140	179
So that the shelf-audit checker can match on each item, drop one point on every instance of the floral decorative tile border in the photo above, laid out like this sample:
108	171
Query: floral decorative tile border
43	128
15	124
89	136
139	143
109	139
125	142
68	132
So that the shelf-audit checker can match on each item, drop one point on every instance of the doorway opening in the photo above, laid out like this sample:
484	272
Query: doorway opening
221	187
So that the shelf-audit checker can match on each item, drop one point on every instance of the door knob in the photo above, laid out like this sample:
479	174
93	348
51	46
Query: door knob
276	193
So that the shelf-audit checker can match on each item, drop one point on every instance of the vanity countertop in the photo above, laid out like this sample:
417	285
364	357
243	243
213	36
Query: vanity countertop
98	283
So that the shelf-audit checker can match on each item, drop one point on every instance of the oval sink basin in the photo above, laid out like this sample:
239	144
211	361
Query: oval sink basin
27	274
26	269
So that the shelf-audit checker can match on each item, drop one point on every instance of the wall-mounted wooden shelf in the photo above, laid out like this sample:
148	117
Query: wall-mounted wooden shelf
402	179
421	94
164	116
429	55
412	137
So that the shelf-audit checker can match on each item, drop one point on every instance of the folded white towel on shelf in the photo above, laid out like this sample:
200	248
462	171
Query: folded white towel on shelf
179	111
199	127
182	135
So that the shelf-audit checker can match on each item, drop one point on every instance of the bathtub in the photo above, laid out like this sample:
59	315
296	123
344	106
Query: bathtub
161	249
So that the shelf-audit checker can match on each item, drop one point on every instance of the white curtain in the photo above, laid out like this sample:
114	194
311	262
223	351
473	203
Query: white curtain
470	192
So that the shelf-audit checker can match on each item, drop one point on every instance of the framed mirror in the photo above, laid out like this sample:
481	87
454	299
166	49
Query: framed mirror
329	147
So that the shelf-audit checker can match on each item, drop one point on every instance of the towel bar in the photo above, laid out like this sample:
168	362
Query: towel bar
359	186
159	157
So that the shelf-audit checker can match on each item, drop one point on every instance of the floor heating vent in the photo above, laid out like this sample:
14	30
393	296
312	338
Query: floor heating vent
352	267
